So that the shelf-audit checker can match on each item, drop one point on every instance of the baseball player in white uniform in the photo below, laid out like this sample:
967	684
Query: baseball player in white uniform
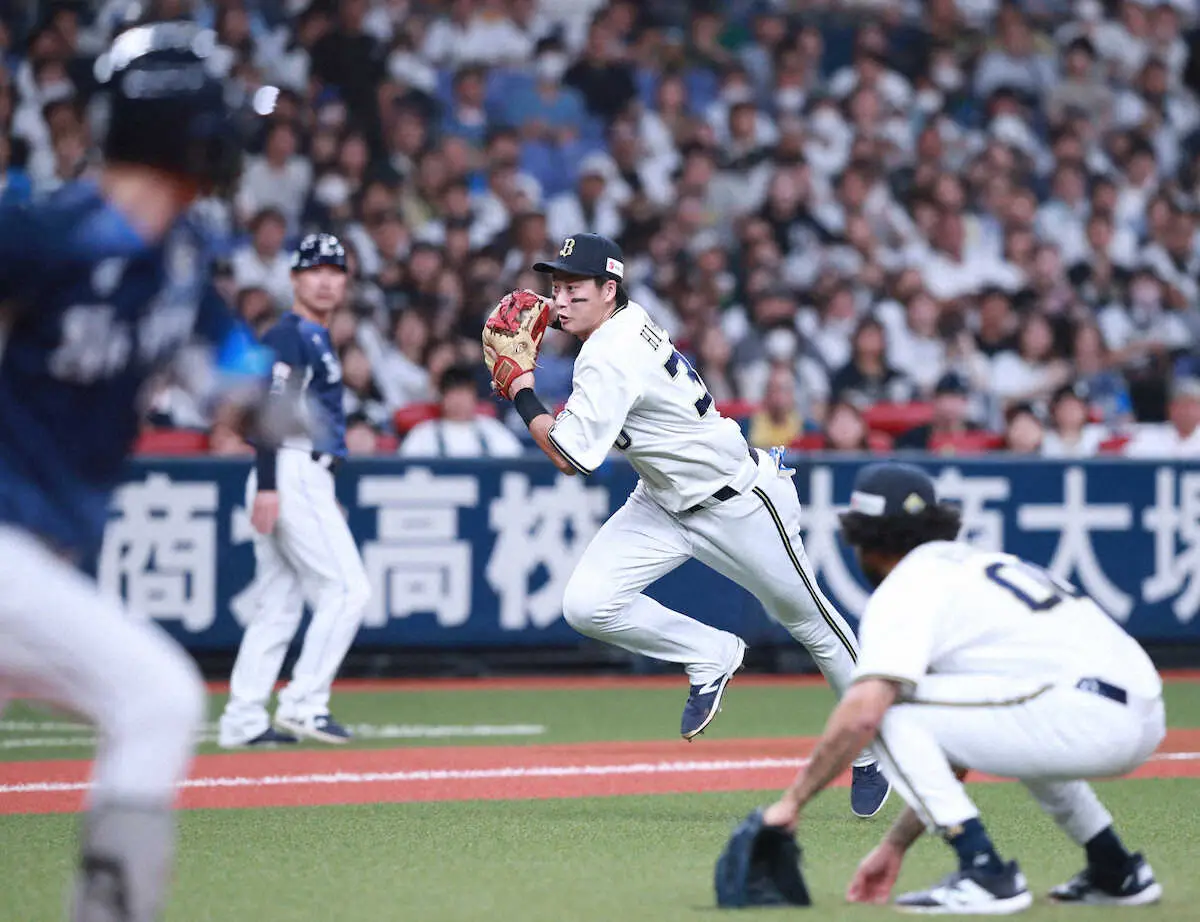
303	548
703	492
974	660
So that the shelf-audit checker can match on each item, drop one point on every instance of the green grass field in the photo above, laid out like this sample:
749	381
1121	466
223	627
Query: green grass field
564	860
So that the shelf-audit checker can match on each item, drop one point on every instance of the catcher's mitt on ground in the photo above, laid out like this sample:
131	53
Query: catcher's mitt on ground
760	866
512	335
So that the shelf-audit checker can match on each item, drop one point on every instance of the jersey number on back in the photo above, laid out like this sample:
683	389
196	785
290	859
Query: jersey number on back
1035	587
95	344
673	366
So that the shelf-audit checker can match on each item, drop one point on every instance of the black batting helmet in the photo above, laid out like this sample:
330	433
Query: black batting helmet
319	250
894	508
166	107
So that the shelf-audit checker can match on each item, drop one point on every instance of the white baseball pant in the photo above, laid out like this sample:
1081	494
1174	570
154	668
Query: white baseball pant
753	538
64	642
310	555
1048	736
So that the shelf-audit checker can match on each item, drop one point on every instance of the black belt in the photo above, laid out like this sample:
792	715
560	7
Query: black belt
330	462
1103	689
725	492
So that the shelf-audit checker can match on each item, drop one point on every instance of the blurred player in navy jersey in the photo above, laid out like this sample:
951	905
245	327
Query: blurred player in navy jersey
102	285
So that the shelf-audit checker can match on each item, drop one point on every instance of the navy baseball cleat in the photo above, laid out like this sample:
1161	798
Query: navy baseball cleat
1133	886
323	729
704	701
972	892
269	737
869	790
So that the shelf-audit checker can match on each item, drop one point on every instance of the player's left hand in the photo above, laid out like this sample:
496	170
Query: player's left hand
782	813
512	336
876	875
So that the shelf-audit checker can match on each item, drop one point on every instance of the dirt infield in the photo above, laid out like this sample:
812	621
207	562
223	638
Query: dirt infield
310	778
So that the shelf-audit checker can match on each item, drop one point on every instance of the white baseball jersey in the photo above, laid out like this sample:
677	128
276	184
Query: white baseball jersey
631	389
951	609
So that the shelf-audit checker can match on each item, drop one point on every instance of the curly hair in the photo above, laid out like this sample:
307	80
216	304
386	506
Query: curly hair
899	534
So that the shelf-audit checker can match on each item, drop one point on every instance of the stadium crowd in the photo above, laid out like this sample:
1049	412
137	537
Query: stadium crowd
954	225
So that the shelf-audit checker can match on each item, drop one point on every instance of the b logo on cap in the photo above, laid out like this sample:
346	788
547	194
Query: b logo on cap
568	247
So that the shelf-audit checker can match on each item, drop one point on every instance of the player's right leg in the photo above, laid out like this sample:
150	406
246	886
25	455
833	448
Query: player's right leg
67	644
1113	876
317	540
603	599
754	539
277	607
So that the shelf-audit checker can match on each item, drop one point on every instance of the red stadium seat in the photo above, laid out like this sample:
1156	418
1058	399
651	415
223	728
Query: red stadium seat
965	443
171	442
810	441
737	409
895	418
408	416
879	441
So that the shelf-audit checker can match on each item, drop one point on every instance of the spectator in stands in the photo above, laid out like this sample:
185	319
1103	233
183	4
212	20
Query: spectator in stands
466	117
605	82
778	422
257	308
1107	392
915	348
714	356
279	178
1082	87
997	330
1033	372
546	111
398	366
460	431
590	208
361	396
263	262
950	415
361	437
1023	430
1070	435
352	61
1180	436
845	429
866	377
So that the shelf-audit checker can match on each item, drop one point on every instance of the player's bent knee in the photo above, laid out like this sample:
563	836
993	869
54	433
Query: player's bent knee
584	604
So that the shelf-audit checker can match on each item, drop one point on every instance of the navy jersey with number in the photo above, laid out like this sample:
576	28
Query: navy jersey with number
90	310
307	365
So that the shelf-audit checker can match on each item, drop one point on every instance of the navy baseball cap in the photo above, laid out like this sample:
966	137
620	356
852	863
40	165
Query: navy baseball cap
319	250
588	255
892	490
951	383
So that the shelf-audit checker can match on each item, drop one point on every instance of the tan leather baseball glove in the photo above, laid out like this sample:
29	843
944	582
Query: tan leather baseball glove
512	336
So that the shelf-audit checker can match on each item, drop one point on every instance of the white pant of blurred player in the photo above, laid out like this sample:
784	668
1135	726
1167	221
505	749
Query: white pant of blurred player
753	538
311	555
65	643
1046	736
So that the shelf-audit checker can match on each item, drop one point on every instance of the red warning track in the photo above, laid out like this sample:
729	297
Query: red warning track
311	778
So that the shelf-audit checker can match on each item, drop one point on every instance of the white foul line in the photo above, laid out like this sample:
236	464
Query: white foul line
470	774
480	774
